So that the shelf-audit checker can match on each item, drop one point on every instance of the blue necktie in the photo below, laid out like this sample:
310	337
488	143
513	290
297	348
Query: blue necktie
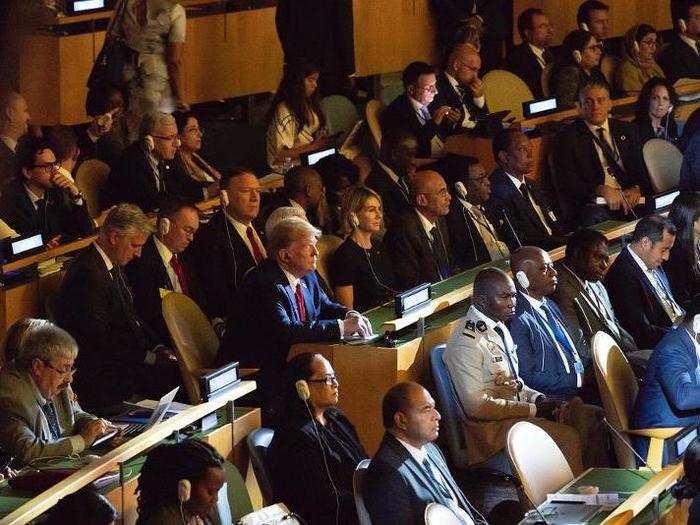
558	330
50	412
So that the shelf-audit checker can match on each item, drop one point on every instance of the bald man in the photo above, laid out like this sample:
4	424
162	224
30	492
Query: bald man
303	190
419	243
460	88
483	365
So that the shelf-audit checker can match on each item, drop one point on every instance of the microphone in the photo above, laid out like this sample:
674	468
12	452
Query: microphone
462	192
629	447
510	226
668	117
223	203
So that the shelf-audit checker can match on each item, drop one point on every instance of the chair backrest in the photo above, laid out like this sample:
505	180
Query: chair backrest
608	66
545	78
91	178
258	441
537	461
450	410
357	487
326	246
193	337
238	498
438	514
373	112
341	114
504	90
663	161
618	389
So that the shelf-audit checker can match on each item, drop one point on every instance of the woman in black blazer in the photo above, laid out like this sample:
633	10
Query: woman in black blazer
316	485
683	264
655	111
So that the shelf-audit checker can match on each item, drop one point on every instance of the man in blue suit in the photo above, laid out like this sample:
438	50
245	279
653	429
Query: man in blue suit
280	303
408	472
553	357
670	394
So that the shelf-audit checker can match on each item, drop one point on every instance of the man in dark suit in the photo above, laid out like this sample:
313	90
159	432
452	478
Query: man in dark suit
528	59
141	174
119	354
581	296
681	58
14	123
281	303
166	265
460	88
391	171
519	211
638	286
42	200
303	189
553	357
228	247
410	111
409	472
419	243
473	238
594	16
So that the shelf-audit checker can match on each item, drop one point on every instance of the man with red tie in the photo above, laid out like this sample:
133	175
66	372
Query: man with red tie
280	304
165	265
228	247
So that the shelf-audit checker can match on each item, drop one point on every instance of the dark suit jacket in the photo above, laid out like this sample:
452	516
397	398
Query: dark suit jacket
467	246
412	253
540	365
400	114
683	276
132	179
586	315
62	216
221	265
147	275
395	201
635	301
646	131
397	489
679	61
522	61
110	364
578	170
450	14
181	185
525	222
448	96
8	164
263	322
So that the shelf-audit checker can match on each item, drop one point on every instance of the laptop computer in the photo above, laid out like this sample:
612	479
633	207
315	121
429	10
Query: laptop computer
134	429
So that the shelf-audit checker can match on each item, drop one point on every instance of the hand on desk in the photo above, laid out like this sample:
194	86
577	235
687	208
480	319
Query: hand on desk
632	196
53	243
95	428
355	323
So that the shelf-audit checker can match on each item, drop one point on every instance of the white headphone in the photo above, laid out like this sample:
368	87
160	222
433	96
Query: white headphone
584	27
696	324
149	142
164	226
578	57
353	220
522	279
184	490
682	25
303	390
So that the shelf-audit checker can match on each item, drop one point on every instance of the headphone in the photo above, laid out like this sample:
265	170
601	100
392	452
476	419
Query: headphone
149	142
184	490
635	46
223	198
578	57
696	324
584	27
682	25
163	226
302	390
353	220
522	279
461	189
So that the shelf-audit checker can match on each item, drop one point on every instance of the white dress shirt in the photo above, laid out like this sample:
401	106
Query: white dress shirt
497	249
670	306
478	101
517	183
610	180
423	113
166	255
539	54
242	229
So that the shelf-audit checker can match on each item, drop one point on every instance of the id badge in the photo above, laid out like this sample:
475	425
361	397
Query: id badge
578	366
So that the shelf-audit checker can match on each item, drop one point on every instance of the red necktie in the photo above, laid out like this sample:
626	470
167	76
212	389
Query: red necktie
257	252
301	307
180	272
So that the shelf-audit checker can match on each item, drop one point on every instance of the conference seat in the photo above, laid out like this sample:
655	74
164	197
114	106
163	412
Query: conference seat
438	514
326	246
357	488
373	112
537	461
258	442
451	426
618	389
193	339
91	179
239	502
546	77
504	90
341	115
663	161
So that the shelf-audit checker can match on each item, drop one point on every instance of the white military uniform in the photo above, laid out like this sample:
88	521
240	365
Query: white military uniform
483	365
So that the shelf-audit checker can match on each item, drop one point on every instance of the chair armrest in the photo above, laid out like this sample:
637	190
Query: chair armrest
659	433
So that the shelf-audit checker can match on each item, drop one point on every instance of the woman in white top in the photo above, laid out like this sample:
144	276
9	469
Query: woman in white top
296	123
155	29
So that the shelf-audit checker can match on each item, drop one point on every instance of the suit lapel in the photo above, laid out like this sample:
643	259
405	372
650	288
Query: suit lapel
416	471
649	289
446	475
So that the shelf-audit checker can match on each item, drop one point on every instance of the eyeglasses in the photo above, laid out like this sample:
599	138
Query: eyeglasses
429	89
329	380
171	138
68	372
49	167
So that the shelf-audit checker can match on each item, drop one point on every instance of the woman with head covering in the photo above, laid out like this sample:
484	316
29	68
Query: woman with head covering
639	60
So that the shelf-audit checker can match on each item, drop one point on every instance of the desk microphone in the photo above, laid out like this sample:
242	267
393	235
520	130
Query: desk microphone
510	226
462	192
629	447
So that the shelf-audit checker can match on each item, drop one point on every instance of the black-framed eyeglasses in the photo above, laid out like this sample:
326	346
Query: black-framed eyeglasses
68	372
171	138
49	167
329	380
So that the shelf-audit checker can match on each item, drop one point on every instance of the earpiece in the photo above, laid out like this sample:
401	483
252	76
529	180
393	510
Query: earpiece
149	143
635	47
303	390
670	108
184	489
578	57
522	279
223	198
164	226
354	221
584	27
682	25
461	189
696	324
